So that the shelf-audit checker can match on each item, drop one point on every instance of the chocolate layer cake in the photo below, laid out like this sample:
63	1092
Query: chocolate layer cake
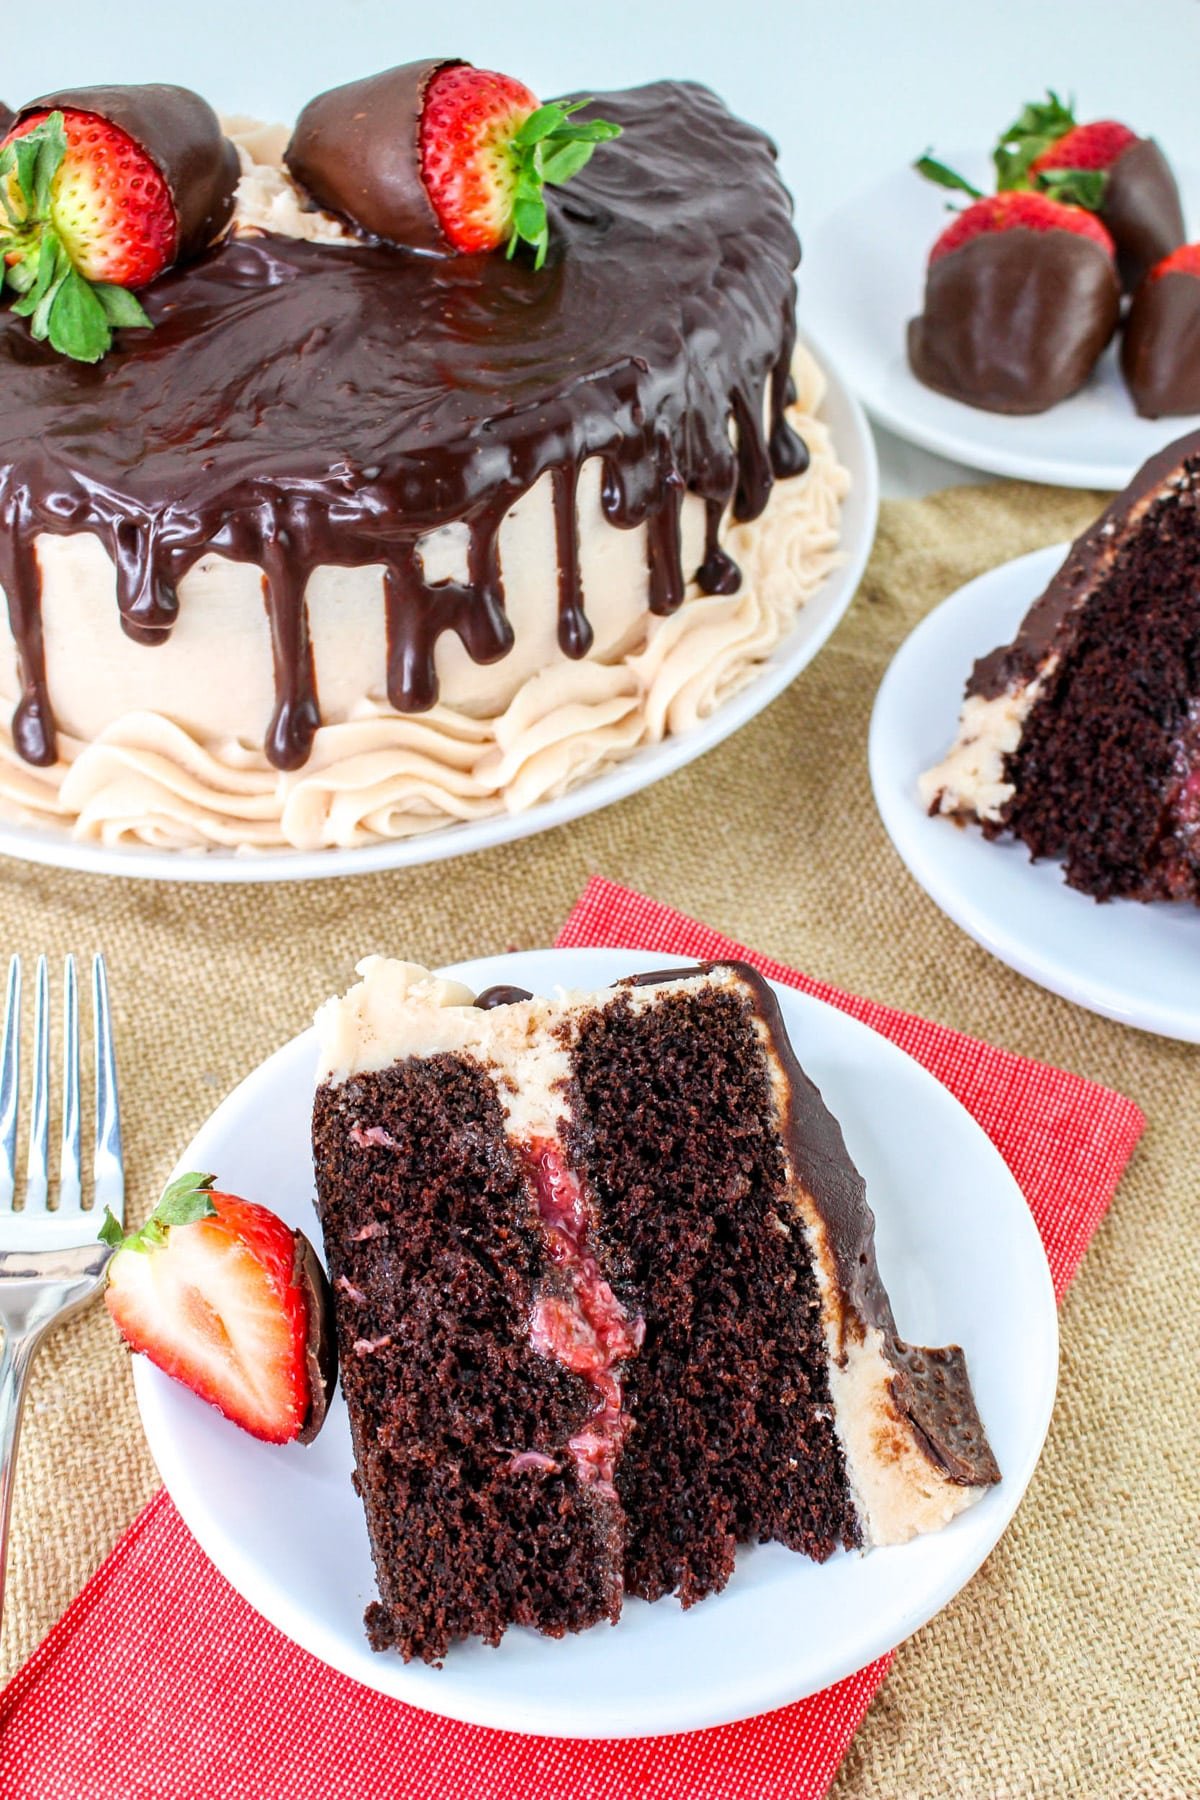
607	1304
1082	736
358	540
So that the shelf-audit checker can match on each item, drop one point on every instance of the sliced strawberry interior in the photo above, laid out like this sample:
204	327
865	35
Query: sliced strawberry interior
205	1309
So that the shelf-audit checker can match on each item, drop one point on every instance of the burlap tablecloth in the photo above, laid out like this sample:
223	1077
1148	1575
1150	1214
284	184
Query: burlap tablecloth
1070	1664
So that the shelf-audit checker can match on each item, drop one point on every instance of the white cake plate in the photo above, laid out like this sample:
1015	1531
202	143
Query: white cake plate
962	1260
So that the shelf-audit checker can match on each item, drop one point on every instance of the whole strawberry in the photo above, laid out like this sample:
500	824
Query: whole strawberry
1021	297
442	156
220	1294
1160	346
101	189
1100	164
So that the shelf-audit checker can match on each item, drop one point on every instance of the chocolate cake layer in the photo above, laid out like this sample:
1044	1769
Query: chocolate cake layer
1082	735
673	1126
1107	754
435	1255
298	405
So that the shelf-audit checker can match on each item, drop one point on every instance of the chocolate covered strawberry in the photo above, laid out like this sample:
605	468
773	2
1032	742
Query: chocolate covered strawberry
1160	346
220	1294
1021	296
1100	164
101	189
442	156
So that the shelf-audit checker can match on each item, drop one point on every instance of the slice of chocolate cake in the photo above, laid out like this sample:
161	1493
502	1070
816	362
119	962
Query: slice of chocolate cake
607	1303
1082	736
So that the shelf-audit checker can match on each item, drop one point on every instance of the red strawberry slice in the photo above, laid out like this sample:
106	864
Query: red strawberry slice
488	150
223	1296
1019	211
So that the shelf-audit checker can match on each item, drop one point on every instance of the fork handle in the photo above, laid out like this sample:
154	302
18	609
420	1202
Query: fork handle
16	1356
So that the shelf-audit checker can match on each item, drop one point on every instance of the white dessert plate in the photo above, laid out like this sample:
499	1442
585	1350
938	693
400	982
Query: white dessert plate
813	625
864	278
963	1262
1139	964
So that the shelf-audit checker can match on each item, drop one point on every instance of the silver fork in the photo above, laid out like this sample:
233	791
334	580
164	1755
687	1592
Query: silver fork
51	1261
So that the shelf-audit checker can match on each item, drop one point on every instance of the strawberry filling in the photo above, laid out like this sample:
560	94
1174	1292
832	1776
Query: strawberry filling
585	1329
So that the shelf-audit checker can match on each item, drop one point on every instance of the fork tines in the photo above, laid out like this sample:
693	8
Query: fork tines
68	1213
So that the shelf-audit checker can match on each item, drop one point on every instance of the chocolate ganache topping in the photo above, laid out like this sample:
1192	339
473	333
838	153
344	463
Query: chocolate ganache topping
182	135
300	404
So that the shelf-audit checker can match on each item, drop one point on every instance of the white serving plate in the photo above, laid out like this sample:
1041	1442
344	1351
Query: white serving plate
963	1261
1139	964
813	625
864	278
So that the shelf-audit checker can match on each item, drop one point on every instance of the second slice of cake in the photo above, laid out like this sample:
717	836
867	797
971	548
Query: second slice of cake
607	1303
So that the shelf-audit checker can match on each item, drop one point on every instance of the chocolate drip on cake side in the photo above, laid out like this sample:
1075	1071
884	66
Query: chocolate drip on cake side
299	405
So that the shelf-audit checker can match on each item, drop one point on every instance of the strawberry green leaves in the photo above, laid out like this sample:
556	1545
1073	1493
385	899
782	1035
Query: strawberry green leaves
1075	187
74	315
549	148
184	1201
937	172
1038	126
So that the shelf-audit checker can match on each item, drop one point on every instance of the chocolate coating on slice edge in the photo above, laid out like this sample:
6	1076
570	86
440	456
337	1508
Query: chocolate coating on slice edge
357	150
1014	321
182	136
1084	565
931	1387
1160	346
1142	210
320	1345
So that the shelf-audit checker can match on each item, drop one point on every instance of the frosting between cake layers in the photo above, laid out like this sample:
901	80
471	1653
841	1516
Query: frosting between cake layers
971	776
147	776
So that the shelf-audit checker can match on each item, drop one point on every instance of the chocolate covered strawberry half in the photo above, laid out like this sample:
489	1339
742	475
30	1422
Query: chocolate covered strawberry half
1103	165
443	157
1160	346
1021	297
223	1296
101	190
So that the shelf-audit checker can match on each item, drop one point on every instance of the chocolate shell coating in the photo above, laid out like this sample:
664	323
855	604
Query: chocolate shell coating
1015	320
357	150
320	1346
1142	210
1160	349
8	119
182	136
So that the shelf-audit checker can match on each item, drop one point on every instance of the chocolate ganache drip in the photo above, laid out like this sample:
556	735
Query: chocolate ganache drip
298	405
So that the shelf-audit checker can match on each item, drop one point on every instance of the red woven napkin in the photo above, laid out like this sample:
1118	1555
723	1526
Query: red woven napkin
160	1683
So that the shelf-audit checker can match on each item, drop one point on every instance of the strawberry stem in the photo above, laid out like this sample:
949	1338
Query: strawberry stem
548	149
183	1202
74	314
